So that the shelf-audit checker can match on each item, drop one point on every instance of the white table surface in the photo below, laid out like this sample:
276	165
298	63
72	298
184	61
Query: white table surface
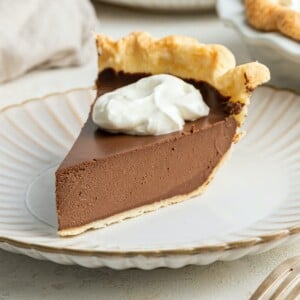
24	278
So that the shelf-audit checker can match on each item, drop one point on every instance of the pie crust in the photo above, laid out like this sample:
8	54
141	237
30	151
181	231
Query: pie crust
184	57
274	15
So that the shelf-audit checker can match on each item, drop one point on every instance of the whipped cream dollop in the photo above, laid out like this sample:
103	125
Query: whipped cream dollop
154	105
291	4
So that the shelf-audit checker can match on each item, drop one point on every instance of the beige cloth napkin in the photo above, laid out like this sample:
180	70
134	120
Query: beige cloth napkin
44	34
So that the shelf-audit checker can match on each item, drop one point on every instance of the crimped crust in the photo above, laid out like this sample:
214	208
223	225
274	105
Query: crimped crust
274	15
186	58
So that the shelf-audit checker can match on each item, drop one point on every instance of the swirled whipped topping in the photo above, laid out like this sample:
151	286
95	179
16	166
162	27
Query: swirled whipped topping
154	105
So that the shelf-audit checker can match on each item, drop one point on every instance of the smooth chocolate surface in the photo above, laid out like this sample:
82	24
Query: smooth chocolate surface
105	174
104	144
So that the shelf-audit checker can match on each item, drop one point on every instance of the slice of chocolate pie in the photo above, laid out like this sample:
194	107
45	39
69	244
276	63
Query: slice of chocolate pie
108	177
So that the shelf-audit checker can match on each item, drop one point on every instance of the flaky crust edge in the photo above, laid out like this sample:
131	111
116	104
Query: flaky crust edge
184	57
269	16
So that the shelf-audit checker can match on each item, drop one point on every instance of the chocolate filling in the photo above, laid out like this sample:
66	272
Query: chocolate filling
105	174
215	100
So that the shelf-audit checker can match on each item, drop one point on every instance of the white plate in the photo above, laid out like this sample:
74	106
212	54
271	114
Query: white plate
175	5
252	205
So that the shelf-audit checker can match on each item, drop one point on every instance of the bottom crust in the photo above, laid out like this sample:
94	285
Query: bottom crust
143	209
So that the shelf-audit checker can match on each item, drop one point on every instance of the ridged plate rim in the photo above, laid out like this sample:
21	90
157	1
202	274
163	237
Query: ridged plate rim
273	236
